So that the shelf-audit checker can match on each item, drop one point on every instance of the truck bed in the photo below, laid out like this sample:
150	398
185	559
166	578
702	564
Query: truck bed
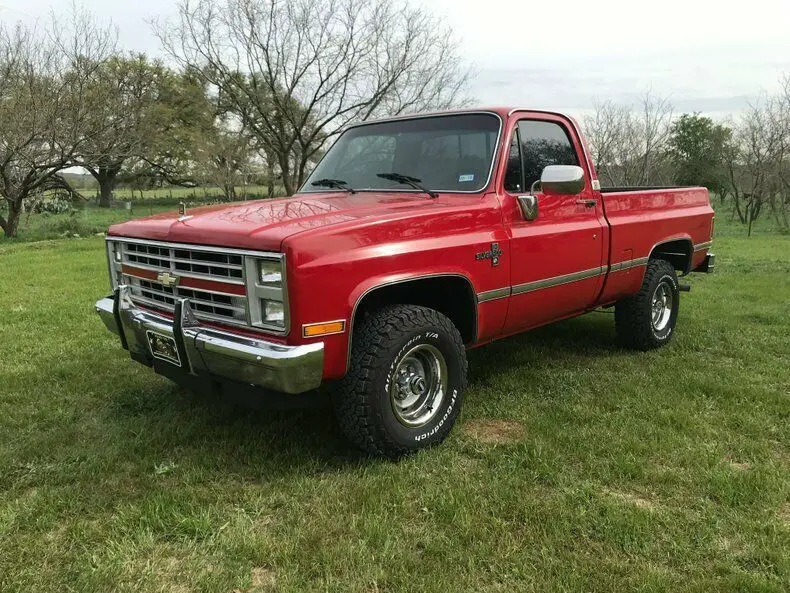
640	218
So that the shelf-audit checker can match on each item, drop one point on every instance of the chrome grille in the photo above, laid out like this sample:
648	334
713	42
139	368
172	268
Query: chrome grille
187	262
221	266
241	287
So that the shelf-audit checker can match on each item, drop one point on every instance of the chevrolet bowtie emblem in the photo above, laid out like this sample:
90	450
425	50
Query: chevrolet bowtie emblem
167	279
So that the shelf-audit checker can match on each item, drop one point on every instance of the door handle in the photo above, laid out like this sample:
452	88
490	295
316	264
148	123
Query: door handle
588	203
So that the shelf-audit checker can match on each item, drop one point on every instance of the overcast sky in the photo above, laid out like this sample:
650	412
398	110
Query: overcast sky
709	56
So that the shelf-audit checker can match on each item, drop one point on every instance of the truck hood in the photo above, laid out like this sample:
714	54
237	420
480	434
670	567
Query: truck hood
264	224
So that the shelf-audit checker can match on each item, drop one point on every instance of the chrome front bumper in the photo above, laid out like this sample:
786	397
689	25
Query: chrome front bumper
204	350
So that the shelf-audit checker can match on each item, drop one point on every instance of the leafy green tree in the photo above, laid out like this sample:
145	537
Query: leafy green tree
178	147
152	120
697	148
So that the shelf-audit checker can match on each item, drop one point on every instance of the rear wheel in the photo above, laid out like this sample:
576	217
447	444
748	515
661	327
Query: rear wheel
404	385
647	319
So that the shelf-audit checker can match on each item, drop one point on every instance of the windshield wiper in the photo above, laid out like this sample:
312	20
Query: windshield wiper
334	184
406	180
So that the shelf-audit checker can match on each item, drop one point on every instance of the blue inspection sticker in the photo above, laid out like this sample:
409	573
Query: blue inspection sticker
466	178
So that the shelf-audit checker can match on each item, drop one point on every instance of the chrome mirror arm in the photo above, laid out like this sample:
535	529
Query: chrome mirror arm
528	205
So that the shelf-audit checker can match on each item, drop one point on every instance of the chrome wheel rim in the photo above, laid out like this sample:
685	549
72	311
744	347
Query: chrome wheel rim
661	306
419	385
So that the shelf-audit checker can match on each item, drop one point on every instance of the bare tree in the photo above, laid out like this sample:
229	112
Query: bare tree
629	144
654	127
296	72
759	160
780	204
606	132
46	109
227	158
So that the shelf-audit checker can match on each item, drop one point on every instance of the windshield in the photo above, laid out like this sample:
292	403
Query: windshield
450	153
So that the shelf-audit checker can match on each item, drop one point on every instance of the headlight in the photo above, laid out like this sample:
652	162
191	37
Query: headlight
266	292
274	312
270	272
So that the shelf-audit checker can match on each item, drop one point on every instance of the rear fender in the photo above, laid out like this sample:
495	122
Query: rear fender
677	250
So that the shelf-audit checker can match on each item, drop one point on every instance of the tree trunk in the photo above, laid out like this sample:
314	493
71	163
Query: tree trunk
285	169
737	204
778	208
11	224
269	175
750	217
107	178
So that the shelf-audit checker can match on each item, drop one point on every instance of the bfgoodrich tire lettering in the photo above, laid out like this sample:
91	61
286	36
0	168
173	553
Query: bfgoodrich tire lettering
383	405
647	319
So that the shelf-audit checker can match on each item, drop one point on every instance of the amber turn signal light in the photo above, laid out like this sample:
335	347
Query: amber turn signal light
313	330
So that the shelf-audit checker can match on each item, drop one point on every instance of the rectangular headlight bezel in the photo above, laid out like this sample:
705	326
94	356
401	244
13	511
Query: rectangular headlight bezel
113	249
258	292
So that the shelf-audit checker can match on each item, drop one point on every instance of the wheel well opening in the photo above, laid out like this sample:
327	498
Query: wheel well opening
452	296
677	252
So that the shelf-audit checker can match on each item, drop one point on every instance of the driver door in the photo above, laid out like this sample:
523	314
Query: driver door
557	259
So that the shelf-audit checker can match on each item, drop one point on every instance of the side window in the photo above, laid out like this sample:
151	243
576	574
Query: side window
543	143
514	182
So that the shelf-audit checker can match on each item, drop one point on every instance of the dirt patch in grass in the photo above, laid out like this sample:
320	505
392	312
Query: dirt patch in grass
784	513
494	432
632	499
738	465
263	579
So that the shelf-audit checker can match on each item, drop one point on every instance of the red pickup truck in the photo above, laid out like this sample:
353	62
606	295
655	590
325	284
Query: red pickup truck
414	239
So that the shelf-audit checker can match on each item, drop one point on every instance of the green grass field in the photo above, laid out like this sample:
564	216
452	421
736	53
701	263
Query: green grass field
575	465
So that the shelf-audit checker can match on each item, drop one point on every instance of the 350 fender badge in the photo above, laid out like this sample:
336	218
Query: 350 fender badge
493	254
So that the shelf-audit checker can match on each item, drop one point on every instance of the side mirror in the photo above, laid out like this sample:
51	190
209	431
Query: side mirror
566	180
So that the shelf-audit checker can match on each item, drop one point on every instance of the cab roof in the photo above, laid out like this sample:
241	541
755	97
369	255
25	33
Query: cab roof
502	111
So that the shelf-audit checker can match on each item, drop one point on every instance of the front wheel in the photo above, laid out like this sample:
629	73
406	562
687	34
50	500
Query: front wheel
647	319
405	382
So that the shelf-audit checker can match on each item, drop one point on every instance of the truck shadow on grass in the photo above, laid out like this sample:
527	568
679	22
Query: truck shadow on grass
230	432
566	342
169	423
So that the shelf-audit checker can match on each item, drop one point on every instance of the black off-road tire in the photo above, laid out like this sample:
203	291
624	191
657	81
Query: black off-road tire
362	401
633	316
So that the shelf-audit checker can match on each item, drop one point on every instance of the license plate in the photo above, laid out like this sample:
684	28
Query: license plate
163	347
